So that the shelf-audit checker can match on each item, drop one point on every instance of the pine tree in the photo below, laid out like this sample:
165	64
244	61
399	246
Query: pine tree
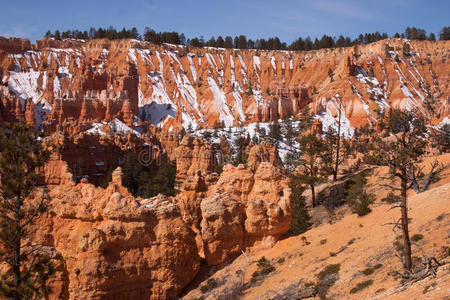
444	34
306	120
21	154
57	35
333	139
275	130
442	138
228	42
289	132
301	220
402	155
312	149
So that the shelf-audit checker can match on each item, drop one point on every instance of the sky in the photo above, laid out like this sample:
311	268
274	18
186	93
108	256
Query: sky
287	19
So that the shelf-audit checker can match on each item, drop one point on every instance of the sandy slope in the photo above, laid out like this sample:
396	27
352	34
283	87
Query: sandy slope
373	244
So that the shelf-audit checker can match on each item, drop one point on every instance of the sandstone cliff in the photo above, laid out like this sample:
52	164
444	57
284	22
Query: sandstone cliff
173	86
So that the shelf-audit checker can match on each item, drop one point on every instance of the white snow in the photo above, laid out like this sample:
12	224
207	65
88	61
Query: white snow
272	61
56	87
221	103
116	126
242	62
192	66
25	85
328	120
155	112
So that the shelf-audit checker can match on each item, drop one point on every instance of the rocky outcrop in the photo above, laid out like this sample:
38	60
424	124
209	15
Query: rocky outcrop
115	246
193	155
14	44
244	208
263	152
167	85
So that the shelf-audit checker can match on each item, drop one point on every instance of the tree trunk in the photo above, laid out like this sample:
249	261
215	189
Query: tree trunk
406	241
338	144
16	250
313	193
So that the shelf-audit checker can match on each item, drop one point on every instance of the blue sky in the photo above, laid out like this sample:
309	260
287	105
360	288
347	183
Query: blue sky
286	19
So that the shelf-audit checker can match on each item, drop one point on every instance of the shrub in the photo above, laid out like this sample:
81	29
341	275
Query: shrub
264	268
210	285
327	278
348	191
391	198
305	241
361	207
428	287
417	237
323	242
371	270
360	286
328	270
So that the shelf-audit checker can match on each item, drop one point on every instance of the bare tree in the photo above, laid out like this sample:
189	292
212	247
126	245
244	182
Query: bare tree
337	148
402	152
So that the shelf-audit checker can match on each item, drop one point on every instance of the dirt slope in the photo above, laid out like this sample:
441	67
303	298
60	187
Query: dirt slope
355	243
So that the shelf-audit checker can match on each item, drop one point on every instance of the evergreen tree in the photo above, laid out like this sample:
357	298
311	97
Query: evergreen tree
148	181
306	120
301	220
444	34
289	132
432	37
312	149
241	156
21	155
220	43
228	42
402	154
441	139
275	130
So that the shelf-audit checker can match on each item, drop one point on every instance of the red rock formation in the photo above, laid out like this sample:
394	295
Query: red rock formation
144	72
18	111
263	152
83	114
29	113
170	142
108	113
193	155
14	44
112	245
261	202
127	113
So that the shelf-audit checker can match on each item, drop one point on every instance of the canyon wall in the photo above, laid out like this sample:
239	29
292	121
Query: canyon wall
171	86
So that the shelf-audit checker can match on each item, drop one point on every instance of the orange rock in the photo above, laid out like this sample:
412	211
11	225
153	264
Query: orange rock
113	245
244	209
263	152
